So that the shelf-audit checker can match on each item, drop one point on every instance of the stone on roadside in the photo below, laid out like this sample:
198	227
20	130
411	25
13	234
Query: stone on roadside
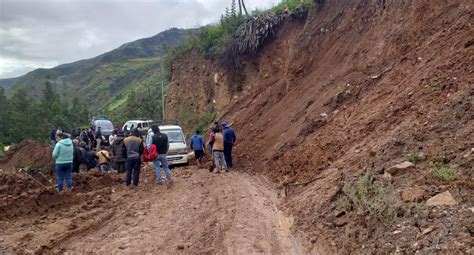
398	167
387	176
180	247
428	230
412	194
444	198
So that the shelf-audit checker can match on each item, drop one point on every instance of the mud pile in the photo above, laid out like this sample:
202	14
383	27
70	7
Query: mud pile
357	88
30	154
22	196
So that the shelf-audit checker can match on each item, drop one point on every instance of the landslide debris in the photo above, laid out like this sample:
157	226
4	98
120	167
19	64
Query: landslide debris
359	88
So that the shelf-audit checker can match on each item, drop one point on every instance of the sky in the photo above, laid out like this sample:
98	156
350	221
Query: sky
46	33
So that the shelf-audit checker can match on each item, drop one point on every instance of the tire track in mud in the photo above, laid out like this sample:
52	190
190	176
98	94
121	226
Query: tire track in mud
202	213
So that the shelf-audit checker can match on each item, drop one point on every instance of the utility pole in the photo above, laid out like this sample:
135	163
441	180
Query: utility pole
162	102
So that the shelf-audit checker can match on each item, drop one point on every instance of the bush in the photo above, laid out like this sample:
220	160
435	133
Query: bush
191	121
2	150
290	5
442	171
413	157
366	196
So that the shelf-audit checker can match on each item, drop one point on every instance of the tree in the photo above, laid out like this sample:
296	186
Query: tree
22	121
243	6
145	103
240	8
5	116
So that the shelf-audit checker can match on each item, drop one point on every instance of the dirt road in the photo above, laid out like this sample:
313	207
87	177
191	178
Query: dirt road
230	213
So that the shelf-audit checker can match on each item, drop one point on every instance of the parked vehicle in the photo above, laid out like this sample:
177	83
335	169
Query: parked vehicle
106	128
178	150
142	125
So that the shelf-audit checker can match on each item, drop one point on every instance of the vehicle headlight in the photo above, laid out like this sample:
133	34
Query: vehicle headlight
182	151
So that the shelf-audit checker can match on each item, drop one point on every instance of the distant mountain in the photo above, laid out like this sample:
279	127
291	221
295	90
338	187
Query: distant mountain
7	83
99	80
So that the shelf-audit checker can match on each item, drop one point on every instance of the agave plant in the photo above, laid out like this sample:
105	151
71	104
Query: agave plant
254	31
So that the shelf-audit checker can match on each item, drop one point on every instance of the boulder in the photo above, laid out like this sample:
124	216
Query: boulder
444	198
399	167
415	194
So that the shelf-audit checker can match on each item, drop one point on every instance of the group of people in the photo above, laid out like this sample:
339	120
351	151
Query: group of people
219	145
92	138
76	151
124	156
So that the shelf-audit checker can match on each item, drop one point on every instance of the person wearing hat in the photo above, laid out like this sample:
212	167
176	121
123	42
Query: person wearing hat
119	152
229	141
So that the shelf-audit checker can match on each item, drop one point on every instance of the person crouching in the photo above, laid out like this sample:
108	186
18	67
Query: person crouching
104	159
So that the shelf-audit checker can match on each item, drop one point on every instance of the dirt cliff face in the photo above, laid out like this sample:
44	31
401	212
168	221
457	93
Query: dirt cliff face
356	88
198	86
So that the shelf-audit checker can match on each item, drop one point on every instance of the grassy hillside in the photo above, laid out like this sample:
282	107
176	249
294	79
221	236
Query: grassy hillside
100	81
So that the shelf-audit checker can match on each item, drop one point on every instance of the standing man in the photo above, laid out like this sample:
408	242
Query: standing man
84	137
218	150
119	152
63	154
52	137
197	144
78	156
91	136
98	138
210	140
160	140
229	141
134	147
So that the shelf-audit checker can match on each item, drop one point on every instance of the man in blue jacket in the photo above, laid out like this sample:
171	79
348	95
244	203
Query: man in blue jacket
229	142
197	145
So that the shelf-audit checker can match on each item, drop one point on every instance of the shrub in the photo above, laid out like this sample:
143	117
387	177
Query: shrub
442	171
2	150
413	157
193	120
290	5
366	196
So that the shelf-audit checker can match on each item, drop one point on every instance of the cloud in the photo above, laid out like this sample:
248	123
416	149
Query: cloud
44	33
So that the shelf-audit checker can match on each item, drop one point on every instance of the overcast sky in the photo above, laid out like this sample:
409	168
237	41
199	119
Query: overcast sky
46	33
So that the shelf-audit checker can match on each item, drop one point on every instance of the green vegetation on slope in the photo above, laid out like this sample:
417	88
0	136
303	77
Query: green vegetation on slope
99	80
26	119
224	41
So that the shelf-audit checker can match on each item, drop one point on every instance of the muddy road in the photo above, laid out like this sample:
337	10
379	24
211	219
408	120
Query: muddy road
230	213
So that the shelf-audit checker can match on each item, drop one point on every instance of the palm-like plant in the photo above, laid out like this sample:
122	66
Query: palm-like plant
254	31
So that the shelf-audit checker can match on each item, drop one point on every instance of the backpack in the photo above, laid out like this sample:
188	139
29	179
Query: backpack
150	155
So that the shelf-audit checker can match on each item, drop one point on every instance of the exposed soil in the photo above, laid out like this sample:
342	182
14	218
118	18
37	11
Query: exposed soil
354	90
203	213
28	153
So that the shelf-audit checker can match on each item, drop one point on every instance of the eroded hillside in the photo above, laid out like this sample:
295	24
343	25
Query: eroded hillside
334	101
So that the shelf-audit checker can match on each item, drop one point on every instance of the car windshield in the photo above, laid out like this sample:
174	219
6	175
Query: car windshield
130	124
174	135
105	125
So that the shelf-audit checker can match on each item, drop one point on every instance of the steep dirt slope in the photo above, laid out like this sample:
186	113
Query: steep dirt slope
355	89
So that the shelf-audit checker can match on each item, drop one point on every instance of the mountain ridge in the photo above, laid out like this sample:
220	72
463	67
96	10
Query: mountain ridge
99	80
